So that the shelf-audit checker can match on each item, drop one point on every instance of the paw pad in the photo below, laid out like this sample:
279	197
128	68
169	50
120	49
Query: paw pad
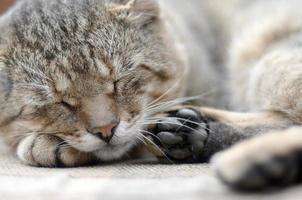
182	134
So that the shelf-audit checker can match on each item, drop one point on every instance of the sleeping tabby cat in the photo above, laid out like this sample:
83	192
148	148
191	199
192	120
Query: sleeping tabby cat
84	81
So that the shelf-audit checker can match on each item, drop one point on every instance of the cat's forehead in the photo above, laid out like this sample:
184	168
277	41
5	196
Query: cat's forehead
80	38
80	45
54	25
76	75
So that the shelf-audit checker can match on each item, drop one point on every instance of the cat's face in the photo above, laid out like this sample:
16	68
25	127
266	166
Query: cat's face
83	70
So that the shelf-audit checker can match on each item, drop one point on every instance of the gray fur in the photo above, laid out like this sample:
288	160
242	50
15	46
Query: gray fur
68	66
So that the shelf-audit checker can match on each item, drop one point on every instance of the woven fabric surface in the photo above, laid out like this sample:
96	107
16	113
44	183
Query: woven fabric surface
10	166
121	182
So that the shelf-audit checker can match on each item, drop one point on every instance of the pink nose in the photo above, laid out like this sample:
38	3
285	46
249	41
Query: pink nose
106	132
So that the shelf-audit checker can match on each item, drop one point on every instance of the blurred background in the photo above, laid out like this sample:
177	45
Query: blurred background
4	4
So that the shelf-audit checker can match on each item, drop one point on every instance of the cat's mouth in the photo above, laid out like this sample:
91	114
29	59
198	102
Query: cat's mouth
122	141
111	147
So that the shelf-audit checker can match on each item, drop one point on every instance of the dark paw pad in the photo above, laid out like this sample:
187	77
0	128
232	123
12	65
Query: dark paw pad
182	135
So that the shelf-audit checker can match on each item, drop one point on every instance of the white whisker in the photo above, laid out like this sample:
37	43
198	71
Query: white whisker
149	133
158	148
185	120
198	131
168	91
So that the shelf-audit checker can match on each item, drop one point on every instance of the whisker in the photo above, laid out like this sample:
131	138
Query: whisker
175	124
172	102
62	143
64	146
186	120
140	139
155	107
167	92
149	133
158	148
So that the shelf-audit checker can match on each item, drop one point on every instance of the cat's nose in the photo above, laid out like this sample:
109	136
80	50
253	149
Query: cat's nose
105	133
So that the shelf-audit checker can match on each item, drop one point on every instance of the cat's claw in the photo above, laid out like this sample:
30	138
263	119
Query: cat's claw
182	135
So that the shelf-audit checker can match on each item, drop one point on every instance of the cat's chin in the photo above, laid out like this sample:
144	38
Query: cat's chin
113	152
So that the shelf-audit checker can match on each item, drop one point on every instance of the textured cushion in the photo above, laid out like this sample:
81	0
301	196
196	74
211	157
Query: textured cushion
120	181
10	166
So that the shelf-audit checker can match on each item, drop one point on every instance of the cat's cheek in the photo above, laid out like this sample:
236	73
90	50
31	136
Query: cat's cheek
125	134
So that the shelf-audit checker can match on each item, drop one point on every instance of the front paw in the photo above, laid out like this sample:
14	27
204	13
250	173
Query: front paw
50	151
182	134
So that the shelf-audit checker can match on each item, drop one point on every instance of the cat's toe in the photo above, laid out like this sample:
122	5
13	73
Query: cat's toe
71	157
24	152
182	135
189	117
169	138
49	151
255	170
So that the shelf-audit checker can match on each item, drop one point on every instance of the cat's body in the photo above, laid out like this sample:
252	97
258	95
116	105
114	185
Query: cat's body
263	58
80	79
190	22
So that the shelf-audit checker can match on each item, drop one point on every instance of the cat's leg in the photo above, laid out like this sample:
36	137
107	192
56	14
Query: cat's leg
274	159
50	151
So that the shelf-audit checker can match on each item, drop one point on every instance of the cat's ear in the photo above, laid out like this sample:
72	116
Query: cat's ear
140	12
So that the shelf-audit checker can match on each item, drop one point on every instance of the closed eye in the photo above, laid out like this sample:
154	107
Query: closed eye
159	73
115	86
68	106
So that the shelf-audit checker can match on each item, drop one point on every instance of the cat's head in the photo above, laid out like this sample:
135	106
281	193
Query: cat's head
83	70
